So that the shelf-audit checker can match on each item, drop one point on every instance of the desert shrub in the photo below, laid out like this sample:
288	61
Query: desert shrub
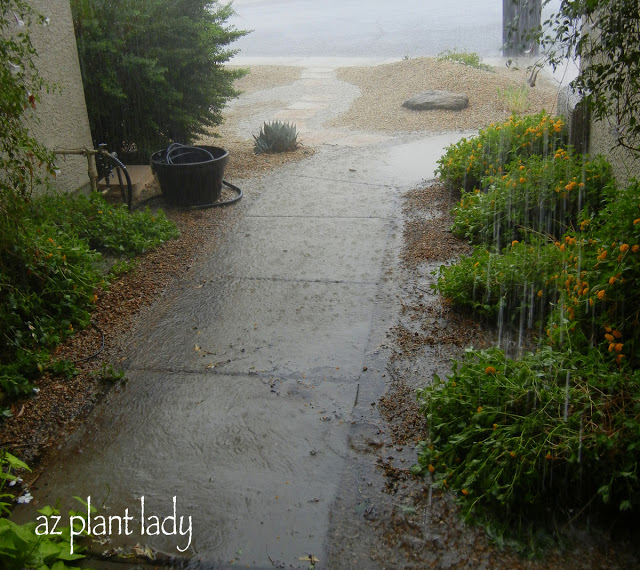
599	281
511	437
515	99
538	195
471	59
487	155
558	426
505	285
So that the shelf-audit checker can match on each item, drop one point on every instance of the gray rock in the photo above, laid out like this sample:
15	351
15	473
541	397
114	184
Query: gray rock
437	99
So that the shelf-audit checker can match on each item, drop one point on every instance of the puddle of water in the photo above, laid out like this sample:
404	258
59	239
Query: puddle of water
407	164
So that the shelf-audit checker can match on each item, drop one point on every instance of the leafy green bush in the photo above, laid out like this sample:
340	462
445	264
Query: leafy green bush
106	227
49	273
21	545
599	281
486	156
159	78
505	284
511	437
24	162
559	426
539	195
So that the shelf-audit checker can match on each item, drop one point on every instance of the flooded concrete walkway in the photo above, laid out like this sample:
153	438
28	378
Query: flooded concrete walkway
247	380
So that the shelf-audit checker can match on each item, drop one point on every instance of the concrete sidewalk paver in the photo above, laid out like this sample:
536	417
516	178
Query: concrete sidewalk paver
244	381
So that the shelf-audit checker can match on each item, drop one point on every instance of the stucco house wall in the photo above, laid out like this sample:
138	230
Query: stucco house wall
62	114
625	164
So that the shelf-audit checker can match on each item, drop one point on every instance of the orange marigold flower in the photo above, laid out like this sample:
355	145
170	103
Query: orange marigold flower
611	347
617	334
612	280
479	410
619	358
464	492
601	295
489	370
540	293
521	167
618	347
624	247
495	426
522	180
609	337
635	248
431	468
514	242
548	455
636	221
512	453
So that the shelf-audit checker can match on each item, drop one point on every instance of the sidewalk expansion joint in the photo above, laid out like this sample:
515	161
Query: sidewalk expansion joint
258	374
393	186
322	217
294	280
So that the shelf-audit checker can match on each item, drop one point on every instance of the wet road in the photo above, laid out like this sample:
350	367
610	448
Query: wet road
374	28
370	28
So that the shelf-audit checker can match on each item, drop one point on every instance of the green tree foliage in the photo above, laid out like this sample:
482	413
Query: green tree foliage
24	164
153	71
605	36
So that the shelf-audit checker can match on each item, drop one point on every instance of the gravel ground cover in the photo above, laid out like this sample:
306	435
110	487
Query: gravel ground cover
385	87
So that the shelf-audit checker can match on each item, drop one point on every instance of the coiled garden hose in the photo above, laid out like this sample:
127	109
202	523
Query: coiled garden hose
176	150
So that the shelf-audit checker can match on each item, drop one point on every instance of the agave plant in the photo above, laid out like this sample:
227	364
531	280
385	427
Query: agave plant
276	137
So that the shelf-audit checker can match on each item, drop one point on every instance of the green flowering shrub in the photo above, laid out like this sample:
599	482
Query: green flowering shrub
487	155
49	273
21	545
504	284
560	426
511	437
542	196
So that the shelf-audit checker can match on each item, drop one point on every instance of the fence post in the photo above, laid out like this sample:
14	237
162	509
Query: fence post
520	18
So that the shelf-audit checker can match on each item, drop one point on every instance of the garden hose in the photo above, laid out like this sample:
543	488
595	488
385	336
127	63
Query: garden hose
176	150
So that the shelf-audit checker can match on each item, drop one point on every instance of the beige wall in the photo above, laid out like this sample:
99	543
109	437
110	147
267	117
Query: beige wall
625	164
63	121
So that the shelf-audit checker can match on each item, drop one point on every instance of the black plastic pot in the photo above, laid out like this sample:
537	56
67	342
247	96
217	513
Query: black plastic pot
190	175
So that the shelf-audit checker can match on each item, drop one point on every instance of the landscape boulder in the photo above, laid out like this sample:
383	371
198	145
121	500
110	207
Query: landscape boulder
437	99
